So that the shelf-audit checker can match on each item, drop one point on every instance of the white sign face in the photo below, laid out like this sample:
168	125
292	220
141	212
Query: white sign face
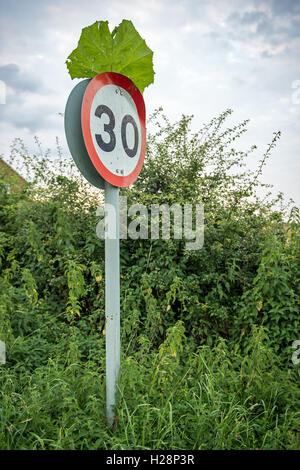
113	122
115	129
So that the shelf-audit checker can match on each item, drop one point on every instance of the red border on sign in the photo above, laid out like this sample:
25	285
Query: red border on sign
112	78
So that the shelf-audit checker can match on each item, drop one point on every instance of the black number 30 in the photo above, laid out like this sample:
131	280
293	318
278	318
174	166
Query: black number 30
109	129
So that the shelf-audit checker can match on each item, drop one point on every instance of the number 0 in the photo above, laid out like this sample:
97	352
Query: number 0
129	120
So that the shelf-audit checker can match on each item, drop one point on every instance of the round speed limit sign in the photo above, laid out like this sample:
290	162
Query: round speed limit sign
113	127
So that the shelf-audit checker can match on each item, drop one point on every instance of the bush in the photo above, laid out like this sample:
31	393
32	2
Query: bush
206	334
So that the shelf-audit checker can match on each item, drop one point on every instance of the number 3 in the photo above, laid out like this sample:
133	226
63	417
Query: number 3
109	128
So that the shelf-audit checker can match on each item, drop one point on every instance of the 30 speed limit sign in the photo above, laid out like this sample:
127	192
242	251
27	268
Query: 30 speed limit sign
106	135
113	127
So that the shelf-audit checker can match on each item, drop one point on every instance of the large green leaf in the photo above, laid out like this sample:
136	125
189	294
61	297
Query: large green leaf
122	51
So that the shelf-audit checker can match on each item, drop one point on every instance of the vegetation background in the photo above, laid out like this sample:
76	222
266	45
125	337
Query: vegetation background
206	335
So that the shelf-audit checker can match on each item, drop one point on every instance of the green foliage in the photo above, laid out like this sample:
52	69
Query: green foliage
122	51
206	335
273	298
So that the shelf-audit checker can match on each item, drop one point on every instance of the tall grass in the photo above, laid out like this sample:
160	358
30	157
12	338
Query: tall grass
171	398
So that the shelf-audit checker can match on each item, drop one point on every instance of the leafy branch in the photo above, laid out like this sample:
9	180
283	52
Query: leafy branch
123	51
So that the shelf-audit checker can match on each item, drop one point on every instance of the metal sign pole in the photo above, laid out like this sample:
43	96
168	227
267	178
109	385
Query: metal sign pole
112	297
99	149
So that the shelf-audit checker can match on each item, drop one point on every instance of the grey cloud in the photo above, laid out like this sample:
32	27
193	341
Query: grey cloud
294	29
27	13
285	7
251	17
243	22
12	75
266	55
34	118
271	32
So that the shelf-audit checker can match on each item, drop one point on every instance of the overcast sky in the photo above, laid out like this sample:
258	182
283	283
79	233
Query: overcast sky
208	56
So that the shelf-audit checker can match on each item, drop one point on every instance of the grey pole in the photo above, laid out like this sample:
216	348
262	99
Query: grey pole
112	297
